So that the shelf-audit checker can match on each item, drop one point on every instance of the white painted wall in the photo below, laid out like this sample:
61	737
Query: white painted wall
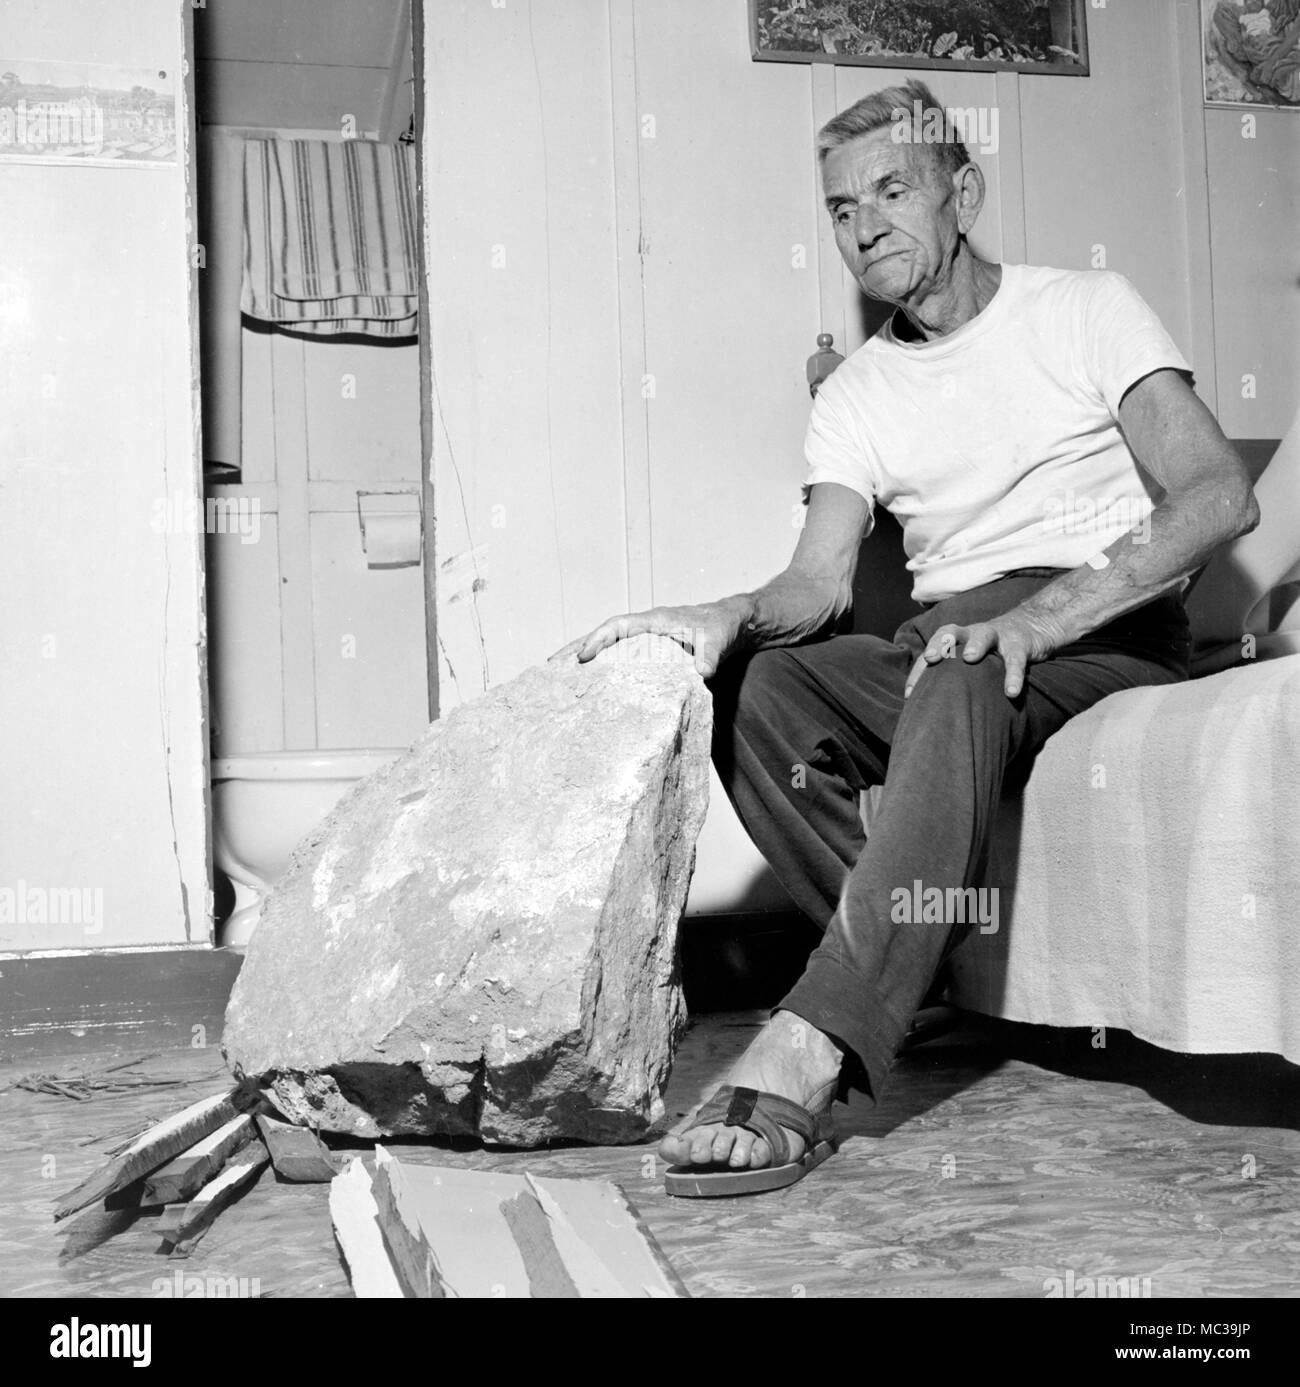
1254	181
102	734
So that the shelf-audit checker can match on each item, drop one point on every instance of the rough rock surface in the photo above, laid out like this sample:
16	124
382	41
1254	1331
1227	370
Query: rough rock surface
481	938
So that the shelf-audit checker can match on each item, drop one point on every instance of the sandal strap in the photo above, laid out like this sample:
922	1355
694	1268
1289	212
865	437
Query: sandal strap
764	1114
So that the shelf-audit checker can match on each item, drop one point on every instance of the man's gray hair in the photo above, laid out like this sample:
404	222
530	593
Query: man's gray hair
911	103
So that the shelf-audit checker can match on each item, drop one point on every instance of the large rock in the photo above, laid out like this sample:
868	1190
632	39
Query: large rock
481	938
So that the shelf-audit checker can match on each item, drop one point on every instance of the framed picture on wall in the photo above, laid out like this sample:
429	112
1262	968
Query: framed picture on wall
1251	52
86	113
1043	36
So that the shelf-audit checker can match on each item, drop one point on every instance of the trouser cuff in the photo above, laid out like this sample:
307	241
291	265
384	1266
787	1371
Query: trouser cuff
842	1005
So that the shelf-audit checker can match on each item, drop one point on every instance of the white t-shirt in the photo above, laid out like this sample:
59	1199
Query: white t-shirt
997	446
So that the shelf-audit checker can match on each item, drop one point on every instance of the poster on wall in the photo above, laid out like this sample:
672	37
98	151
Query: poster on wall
86	113
969	35
1251	52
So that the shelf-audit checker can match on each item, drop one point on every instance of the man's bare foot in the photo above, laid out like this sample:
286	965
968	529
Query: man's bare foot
789	1057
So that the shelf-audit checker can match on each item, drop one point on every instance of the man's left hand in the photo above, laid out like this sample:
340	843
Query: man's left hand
1018	639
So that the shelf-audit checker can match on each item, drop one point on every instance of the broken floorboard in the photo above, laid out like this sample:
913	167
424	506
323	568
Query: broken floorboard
157	1146
297	1153
184	1175
237	1175
355	1217
457	1234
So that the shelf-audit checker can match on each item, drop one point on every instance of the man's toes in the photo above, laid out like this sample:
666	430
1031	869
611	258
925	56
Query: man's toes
702	1145
749	1151
675	1149
724	1139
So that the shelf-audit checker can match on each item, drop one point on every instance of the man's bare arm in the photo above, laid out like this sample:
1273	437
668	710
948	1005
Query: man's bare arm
806	598
1208	500
816	589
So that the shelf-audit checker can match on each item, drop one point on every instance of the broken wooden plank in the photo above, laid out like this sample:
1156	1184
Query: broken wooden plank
185	1175
355	1217
172	1218
596	1225
412	1257
468	1233
236	1176
157	1146
548	1276
297	1153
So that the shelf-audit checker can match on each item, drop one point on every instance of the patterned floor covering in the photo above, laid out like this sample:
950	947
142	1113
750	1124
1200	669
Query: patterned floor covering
1005	1162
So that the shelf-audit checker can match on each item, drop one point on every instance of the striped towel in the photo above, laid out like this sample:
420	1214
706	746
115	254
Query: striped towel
330	236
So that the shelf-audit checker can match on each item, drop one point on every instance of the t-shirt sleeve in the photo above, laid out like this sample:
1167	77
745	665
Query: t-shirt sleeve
833	451
1123	340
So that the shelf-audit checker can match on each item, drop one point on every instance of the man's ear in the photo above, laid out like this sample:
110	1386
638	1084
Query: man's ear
968	185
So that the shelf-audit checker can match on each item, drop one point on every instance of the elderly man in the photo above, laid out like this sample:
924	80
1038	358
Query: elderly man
1035	432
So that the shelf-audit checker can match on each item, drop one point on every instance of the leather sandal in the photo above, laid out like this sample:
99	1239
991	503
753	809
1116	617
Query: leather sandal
769	1116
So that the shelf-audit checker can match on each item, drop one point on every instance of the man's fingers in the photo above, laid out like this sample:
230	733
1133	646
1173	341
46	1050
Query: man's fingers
658	621
943	644
980	641
1016	663
567	652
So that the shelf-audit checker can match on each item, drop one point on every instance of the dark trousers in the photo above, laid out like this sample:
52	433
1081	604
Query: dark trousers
800	731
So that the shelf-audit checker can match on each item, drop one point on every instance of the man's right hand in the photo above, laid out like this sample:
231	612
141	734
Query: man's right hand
710	631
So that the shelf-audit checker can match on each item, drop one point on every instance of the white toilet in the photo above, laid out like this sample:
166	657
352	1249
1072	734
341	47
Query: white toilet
263	804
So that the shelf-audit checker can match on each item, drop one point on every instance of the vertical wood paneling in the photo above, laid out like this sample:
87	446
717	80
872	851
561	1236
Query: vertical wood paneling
632	232
1103	161
523	287
101	701
368	652
244	655
1255	219
288	374
731	299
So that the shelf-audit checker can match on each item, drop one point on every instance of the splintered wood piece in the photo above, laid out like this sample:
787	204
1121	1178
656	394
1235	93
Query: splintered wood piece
456	1219
157	1146
355	1217
601	1235
184	1175
547	1274
297	1153
237	1174
172	1218
469	1233
412	1257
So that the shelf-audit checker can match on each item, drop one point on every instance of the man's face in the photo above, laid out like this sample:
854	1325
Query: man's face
895	215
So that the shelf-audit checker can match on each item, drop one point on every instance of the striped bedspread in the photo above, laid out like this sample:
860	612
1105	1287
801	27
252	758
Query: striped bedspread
1149	876
330	236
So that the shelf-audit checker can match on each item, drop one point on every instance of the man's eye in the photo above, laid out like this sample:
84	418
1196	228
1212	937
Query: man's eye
894	192
842	215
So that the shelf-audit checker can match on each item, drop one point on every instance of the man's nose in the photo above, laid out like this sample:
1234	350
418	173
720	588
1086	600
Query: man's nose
868	228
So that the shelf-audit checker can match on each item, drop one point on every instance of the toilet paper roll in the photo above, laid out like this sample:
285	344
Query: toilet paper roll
393	540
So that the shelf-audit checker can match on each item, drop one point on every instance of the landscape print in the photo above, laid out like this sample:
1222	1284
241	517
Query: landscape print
980	35
86	113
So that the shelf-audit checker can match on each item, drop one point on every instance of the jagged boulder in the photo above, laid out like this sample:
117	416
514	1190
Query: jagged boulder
481	937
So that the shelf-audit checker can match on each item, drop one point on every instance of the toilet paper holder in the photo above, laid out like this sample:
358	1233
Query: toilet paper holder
392	528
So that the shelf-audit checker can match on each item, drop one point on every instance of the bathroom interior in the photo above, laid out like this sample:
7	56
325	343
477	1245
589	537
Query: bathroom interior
315	586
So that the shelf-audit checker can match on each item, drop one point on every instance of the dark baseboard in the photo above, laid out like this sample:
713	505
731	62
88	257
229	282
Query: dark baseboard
146	999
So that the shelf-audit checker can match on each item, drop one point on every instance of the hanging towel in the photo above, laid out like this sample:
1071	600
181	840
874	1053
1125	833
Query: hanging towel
330	236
